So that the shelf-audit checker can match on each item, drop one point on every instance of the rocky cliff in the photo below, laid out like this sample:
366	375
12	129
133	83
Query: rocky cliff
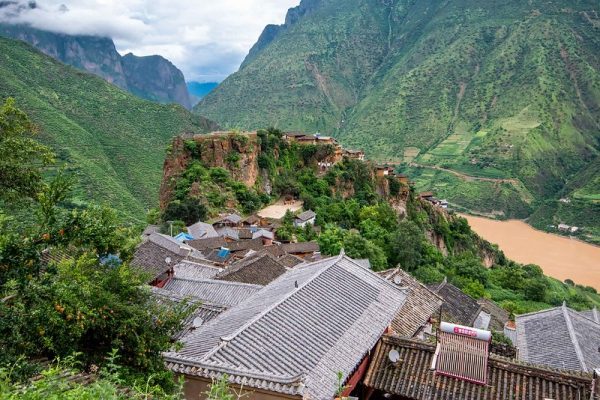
153	78
93	54
212	150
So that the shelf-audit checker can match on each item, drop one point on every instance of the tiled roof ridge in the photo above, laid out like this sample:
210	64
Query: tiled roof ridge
442	284
594	317
596	314
232	373
235	267
418	282
219	282
230	337
405	290
578	352
495	358
241	371
186	261
530	314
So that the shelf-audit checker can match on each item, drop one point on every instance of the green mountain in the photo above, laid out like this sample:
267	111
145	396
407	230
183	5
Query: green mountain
115	142
151	77
493	105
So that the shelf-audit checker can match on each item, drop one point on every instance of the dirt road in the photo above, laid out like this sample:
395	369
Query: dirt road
277	210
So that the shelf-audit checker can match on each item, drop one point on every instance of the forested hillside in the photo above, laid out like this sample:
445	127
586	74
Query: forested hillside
113	142
505	91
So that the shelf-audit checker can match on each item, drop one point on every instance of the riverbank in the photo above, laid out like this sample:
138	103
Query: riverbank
559	256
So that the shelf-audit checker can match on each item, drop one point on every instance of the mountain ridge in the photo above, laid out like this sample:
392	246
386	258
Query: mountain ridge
507	91
150	77
113	141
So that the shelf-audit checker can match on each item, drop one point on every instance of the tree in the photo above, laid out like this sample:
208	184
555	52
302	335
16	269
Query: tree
331	240
189	211
21	157
358	247
408	245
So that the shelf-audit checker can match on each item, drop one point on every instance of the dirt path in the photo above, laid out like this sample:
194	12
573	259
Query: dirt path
277	210
465	177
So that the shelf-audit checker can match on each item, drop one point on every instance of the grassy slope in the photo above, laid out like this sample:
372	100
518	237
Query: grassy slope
503	90
113	141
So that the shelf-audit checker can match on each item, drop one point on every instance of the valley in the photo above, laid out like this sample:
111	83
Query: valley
505	94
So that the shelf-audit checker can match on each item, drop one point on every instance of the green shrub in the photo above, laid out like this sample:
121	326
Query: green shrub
189	211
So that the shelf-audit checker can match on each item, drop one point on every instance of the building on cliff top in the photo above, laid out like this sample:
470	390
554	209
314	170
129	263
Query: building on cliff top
354	154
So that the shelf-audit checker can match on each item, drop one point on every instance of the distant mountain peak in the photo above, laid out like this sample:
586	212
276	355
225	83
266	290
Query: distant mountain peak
151	77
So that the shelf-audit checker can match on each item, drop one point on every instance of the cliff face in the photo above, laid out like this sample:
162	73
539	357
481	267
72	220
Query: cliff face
239	154
152	78
93	54
155	78
213	150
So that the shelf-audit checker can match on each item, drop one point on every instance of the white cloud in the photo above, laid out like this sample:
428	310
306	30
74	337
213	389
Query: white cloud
206	39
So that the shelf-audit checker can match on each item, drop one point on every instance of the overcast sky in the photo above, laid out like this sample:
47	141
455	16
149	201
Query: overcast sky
206	39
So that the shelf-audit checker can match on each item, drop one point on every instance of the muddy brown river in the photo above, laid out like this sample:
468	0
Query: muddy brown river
559	257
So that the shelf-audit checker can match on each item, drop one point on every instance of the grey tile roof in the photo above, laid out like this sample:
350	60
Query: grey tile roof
241	245
230	218
212	291
559	337
195	270
365	262
151	255
302	247
229	232
306	215
413	378
592	314
263	233
290	260
421	303
276	250
259	268
202	230
499	316
252	220
458	306
245	233
205	245
214	257
294	335
204	311
149	230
